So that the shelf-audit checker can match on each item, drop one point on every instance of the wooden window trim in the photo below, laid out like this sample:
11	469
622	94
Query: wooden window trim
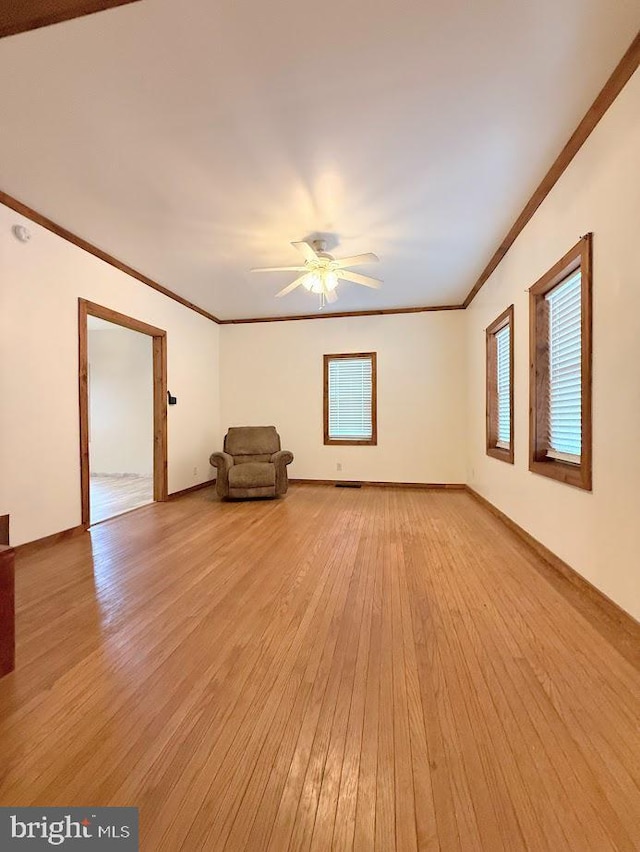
370	442
506	455
578	475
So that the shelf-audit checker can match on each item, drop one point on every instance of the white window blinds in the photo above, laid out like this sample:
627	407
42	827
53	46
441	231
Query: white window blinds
350	395
565	369
503	384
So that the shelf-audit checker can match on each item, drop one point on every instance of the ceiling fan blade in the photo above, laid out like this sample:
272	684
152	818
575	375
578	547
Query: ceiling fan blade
291	286
374	283
331	296
307	250
278	269
357	259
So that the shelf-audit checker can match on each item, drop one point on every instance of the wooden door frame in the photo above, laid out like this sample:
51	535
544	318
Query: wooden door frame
159	336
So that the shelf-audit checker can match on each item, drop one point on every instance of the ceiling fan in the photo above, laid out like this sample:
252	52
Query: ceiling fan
322	272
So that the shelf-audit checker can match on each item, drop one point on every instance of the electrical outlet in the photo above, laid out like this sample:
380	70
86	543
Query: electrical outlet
339	466
195	471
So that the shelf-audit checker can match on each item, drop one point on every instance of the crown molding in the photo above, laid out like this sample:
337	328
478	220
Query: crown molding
58	230
622	73
20	17
336	315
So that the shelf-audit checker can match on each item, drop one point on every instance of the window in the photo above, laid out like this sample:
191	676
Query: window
350	399
500	387
560	381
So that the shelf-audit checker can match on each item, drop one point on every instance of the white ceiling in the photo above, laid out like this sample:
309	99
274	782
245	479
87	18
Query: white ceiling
196	140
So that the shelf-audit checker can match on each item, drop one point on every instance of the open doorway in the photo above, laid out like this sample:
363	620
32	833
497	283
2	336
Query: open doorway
120	386
123	446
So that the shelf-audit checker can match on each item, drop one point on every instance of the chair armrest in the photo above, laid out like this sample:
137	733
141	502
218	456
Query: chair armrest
282	457
223	461
280	460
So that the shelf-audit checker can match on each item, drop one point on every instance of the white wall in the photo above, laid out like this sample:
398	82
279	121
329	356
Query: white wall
597	533
272	373
40	283
120	400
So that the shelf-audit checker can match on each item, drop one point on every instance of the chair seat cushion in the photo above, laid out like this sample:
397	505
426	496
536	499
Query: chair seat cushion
252	475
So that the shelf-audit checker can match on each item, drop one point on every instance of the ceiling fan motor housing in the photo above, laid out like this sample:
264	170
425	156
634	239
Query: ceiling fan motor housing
320	248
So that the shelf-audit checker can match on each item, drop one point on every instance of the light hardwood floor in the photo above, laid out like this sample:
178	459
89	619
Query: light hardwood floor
113	494
378	669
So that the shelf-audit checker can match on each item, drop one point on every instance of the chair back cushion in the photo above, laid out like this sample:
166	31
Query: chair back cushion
257	442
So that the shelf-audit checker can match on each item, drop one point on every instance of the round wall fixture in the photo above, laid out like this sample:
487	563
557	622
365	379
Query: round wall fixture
21	233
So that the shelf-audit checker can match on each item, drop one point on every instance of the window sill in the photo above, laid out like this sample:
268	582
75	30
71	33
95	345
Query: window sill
567	458
350	442
501	453
577	475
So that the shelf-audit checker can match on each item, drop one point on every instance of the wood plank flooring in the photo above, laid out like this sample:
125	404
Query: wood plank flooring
381	669
113	494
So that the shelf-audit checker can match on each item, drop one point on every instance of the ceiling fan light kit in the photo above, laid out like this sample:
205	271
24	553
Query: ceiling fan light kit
322	272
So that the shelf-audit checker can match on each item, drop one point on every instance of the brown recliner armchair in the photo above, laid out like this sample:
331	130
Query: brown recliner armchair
252	464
